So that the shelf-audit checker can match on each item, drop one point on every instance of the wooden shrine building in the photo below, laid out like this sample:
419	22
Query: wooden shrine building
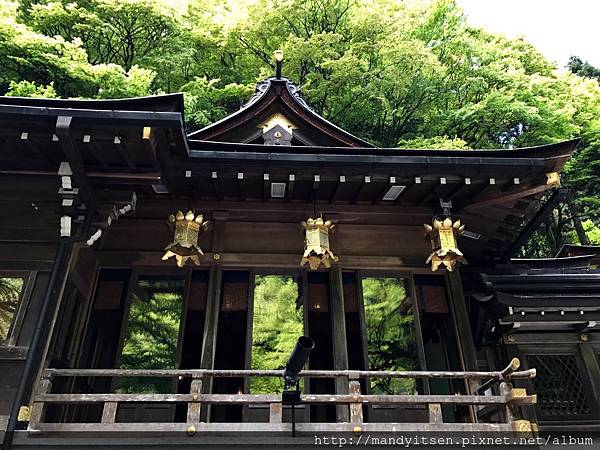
114	334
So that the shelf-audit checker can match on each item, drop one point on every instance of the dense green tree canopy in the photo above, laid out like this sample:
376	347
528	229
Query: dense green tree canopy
397	73
10	291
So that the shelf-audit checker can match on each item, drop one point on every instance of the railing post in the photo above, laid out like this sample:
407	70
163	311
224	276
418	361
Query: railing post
109	412
275	413
38	408
356	409
194	407
506	391
435	413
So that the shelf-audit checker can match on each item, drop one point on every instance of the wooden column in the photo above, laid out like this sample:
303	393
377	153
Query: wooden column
213	303
209	338
338	333
464	335
588	356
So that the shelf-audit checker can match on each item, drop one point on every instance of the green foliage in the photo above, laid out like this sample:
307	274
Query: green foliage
122	32
390	333
30	89
583	69
152	332
278	323
10	292
114	82
29	56
438	142
207	101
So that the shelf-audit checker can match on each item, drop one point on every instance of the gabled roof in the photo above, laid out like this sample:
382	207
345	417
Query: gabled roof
272	96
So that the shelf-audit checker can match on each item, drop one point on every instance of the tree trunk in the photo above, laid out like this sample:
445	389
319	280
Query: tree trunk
574	210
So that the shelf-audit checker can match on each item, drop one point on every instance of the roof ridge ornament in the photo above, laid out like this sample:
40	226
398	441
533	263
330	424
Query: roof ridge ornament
263	85
278	54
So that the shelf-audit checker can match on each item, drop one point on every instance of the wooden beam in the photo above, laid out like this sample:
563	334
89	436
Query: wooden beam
290	186
113	433
37	147
277	373
63	131
96	152
241	184
365	182
149	139
216	185
338	188
266	187
534	223
290	260
122	150
409	187
314	193
391	182
508	196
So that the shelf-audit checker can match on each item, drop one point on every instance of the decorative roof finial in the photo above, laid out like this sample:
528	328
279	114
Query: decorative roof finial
278	62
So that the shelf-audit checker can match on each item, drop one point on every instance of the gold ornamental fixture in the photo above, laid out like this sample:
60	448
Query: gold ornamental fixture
316	243
553	179
443	234
185	246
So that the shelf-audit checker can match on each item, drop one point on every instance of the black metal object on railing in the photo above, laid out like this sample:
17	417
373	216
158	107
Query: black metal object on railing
297	360
295	363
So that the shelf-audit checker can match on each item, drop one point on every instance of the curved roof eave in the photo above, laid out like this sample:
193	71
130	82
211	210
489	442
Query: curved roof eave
554	150
152	103
262	89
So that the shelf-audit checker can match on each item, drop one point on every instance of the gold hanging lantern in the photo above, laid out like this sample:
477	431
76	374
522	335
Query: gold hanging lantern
185	241
316	243
443	235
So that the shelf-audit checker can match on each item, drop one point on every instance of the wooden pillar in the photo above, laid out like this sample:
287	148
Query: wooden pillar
338	333
588	356
213	303
209	338
464	335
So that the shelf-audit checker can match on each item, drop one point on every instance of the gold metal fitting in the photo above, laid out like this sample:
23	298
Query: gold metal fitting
519	392
24	414
553	179
186	231
532	373
443	235
216	256
191	430
510	338
316	243
357	430
583	337
524	426
195	397
515	363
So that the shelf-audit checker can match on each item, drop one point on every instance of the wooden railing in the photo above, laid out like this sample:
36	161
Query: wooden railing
503	402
